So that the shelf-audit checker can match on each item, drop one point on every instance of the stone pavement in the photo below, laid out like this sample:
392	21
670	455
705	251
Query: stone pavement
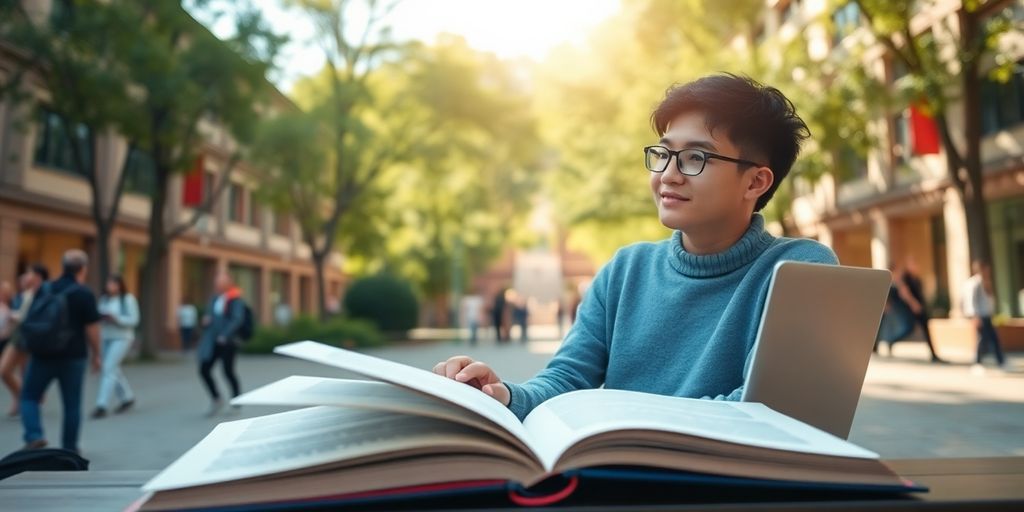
909	408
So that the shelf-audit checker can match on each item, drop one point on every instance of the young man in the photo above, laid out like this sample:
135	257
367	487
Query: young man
67	366
679	317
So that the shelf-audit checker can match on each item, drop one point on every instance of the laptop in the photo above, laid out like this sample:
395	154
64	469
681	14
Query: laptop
814	342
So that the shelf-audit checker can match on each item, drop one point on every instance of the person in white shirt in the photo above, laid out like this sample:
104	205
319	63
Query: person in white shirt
188	319
472	309
979	304
120	315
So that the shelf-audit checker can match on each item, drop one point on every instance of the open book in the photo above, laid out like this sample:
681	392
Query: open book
411	432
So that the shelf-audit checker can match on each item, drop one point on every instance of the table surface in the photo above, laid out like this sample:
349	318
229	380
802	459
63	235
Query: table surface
983	483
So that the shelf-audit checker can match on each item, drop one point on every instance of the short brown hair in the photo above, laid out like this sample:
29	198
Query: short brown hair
758	119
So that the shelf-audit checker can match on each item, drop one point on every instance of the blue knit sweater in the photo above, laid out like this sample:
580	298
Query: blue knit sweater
661	320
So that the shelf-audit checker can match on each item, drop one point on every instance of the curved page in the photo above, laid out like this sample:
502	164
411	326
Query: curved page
363	394
416	379
568	419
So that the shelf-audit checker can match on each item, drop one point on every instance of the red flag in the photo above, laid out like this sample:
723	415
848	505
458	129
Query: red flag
192	194
923	132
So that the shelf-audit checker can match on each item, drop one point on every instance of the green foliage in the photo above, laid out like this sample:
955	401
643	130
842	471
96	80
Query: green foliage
441	165
336	331
386	301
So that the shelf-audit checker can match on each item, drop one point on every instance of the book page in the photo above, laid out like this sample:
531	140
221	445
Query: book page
559	423
416	379
362	394
313	437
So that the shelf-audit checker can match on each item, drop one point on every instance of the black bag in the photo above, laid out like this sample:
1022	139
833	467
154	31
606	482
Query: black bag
43	459
245	330
46	329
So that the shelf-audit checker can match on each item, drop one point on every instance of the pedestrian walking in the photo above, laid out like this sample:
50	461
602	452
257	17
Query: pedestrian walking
913	293
222	335
120	316
14	358
61	332
979	305
472	309
188	319
498	315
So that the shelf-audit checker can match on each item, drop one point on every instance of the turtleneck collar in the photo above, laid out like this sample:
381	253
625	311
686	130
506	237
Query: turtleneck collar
753	242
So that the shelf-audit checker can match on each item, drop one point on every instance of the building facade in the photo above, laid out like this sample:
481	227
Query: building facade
899	204
45	209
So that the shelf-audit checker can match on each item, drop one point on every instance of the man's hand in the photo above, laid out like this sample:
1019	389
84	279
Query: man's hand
476	374
95	363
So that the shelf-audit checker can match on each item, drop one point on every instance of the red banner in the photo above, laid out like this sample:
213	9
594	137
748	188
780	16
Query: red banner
923	132
192	194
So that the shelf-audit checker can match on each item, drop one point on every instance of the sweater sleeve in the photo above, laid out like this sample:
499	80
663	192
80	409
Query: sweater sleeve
580	363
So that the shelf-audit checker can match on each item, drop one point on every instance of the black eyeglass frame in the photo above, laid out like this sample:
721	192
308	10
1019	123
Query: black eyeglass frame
706	154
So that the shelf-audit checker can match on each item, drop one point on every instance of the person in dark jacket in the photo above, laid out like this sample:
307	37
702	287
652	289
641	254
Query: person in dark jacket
221	324
68	365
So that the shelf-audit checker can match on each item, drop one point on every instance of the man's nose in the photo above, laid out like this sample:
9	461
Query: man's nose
671	174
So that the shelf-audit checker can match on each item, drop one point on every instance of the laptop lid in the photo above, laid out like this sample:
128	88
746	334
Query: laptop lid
814	343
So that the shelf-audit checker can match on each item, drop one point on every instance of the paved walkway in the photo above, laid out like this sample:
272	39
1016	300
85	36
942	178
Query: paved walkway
909	408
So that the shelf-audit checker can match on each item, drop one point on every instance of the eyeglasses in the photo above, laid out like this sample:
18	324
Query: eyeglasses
690	162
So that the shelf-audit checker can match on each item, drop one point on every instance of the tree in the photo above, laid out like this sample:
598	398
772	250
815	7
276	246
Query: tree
465	191
184	81
945	65
451	138
340	97
77	57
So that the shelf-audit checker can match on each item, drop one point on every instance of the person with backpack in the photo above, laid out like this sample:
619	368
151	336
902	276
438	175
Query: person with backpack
120	312
61	333
227	324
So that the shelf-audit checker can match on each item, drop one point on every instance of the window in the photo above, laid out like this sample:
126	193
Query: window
255	218
897	69
853	165
280	224
140	173
236	203
1002	104
845	20
901	150
53	148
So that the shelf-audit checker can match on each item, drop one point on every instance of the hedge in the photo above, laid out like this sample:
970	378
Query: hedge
340	332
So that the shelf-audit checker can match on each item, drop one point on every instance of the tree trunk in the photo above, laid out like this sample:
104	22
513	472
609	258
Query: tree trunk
151	325
103	256
975	205
319	261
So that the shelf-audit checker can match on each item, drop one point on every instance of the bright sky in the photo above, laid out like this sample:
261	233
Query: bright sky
509	28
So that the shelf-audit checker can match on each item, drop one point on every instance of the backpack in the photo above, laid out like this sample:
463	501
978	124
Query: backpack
245	331
42	459
46	329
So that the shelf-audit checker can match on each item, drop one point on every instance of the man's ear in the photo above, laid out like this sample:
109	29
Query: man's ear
761	179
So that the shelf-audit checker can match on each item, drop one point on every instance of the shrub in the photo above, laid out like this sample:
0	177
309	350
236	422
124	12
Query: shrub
340	332
385	300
